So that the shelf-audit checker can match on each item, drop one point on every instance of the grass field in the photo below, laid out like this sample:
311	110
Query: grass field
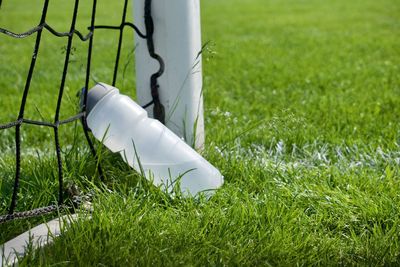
302	105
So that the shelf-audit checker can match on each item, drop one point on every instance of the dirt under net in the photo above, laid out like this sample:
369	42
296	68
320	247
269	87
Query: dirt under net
73	32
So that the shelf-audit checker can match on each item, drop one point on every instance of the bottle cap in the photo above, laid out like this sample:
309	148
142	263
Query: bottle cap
96	94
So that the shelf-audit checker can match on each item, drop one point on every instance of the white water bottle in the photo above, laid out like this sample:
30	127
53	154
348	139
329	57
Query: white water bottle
146	144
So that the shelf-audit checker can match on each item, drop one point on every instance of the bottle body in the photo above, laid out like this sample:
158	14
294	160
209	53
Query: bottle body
150	147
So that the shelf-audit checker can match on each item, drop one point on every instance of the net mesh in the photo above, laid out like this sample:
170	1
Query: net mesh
72	34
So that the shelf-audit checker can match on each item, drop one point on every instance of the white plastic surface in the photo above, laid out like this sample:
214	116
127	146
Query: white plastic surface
177	39
150	147
38	236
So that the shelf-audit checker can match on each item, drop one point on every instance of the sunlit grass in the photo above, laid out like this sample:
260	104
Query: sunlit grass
302	118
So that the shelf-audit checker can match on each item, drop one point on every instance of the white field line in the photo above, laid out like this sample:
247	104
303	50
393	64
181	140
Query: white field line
311	156
279	155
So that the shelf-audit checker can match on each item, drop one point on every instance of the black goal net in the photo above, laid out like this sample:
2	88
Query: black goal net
38	77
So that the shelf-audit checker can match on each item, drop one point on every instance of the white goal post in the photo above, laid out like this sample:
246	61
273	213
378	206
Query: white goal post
177	39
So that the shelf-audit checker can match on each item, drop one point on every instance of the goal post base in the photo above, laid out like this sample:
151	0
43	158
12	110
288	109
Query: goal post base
177	39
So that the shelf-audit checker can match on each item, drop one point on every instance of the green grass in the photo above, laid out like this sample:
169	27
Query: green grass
302	117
